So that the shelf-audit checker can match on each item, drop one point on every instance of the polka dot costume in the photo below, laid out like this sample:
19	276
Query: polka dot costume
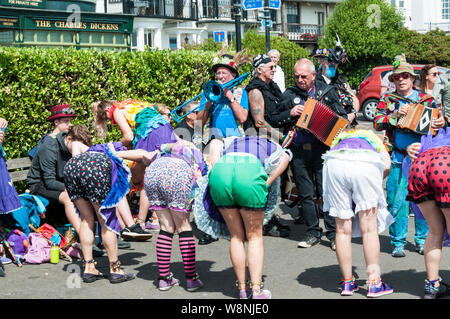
429	177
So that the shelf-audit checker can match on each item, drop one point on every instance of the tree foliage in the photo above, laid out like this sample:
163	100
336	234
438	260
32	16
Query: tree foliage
367	28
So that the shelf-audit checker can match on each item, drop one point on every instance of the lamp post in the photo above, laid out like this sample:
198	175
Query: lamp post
267	17
237	23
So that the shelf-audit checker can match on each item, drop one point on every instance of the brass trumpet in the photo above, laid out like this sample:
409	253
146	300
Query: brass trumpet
212	91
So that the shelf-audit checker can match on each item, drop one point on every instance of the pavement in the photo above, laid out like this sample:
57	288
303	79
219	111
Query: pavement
289	272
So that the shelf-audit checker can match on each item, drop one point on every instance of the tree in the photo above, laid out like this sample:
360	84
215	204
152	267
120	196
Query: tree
366	28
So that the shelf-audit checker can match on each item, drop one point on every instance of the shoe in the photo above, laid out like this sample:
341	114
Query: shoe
207	239
97	251
5	260
88	277
194	284
374	290
333	244
265	294
135	233
122	244
433	292
399	251
308	242
348	287
115	277
152	226
118	278
167	282
299	220
245	294
275	228
419	249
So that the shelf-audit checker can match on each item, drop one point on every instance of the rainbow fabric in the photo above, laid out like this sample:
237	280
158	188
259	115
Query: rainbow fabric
366	135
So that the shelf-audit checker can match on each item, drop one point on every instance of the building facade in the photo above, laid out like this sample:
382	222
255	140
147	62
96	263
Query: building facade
423	16
62	24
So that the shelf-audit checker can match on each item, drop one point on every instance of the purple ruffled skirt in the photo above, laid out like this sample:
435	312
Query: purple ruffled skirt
9	199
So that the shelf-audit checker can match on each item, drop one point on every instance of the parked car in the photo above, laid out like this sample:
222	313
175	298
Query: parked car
369	89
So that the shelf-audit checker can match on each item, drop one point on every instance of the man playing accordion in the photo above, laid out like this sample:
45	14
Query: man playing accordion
307	161
391	108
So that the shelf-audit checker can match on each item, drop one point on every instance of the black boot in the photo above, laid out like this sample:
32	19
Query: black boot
207	239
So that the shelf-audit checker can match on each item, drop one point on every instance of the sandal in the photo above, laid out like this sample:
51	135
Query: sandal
116	278
90	277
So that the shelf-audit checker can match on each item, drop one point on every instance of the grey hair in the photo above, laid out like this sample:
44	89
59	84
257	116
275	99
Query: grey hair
312	67
255	70
190	106
274	52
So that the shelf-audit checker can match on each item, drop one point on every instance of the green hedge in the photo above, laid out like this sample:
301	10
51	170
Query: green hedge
32	79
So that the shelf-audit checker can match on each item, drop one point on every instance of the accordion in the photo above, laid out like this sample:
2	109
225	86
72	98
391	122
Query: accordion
418	119
322	122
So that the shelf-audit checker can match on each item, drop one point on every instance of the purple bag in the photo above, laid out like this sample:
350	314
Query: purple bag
38	250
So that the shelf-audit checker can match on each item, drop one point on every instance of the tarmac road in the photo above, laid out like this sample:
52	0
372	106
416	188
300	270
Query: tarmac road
289	272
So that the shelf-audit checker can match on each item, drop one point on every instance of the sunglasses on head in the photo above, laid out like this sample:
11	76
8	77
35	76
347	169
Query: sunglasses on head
402	75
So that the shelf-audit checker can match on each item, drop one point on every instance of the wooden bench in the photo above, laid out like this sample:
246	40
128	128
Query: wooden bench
18	168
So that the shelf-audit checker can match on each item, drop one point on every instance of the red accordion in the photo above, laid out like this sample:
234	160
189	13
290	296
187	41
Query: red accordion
322	122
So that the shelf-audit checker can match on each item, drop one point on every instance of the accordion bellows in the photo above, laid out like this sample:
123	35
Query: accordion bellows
418	119
321	121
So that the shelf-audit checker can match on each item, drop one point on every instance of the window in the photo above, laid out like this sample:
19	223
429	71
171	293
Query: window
6	36
173	43
393	2
292	14
445	9
401	3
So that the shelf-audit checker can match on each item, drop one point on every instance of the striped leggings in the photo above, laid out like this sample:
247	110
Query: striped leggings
164	251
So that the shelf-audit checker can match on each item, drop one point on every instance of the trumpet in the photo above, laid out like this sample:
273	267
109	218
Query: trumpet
212	91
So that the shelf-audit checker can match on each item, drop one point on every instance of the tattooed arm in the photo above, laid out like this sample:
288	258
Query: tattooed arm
256	102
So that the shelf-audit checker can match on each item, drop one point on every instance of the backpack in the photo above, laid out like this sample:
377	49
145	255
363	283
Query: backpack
38	250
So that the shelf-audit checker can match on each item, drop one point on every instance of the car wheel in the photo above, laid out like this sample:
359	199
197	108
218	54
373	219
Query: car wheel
369	109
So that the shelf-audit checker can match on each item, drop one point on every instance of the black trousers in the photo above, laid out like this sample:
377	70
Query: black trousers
307	167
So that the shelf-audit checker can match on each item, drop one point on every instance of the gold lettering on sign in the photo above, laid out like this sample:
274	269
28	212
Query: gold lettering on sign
43	23
104	26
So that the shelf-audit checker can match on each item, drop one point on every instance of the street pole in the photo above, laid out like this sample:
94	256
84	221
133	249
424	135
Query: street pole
237	23
267	17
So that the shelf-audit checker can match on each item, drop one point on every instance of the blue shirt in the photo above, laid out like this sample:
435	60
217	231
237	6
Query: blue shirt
223	121
404	138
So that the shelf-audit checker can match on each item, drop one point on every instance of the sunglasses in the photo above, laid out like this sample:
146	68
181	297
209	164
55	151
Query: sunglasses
300	76
273	67
435	74
402	75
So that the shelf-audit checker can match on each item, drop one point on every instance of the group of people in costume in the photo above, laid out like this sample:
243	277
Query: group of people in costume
228	175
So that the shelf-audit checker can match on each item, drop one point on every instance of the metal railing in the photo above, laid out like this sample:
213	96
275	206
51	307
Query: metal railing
302	32
224	12
181	9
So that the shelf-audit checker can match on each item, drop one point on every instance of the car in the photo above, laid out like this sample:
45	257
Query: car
369	89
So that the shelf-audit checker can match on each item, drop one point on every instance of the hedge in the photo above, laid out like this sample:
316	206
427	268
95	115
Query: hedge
33	79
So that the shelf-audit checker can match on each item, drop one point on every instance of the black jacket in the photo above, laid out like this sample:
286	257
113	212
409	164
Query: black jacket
48	164
271	93
281	118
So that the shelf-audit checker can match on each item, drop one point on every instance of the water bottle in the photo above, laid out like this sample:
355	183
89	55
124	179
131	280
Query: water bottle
54	254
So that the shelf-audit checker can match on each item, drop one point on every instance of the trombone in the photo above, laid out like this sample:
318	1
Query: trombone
212	91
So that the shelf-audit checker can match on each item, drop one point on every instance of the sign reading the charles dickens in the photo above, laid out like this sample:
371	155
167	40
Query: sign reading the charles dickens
25	3
86	26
